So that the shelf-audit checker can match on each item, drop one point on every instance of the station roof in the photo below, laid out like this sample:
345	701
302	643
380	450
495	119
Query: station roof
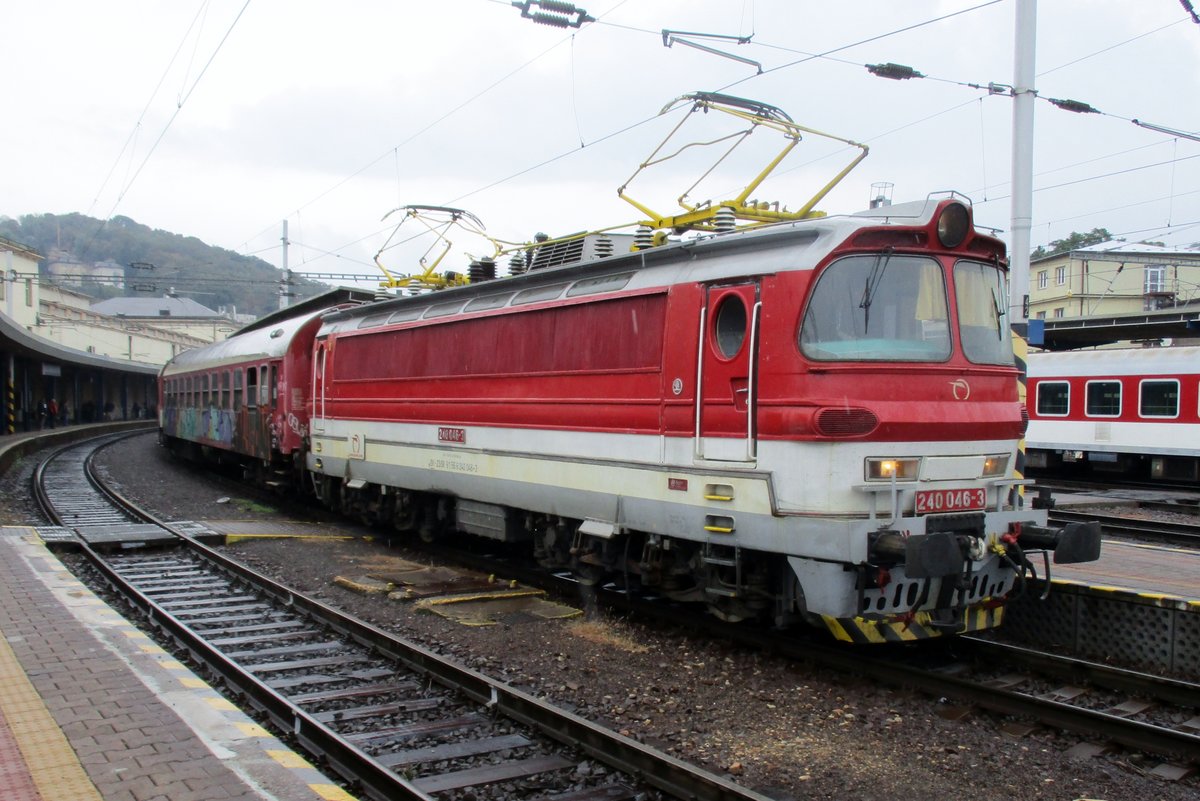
1180	322
15	338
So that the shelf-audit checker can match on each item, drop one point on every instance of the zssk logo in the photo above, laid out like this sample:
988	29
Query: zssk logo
961	389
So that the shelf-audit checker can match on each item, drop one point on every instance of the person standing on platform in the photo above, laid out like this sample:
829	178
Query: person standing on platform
52	412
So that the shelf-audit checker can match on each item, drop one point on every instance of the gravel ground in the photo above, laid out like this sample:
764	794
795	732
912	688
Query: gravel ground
789	731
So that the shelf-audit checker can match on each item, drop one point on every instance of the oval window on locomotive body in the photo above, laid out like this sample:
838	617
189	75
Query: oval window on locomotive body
729	325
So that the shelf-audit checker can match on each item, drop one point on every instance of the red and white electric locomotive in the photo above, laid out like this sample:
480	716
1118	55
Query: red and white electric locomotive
813	419
810	418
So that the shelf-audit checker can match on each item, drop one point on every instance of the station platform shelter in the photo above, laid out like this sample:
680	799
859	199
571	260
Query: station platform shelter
85	387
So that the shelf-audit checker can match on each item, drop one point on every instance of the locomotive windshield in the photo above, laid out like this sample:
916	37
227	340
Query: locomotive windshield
882	307
981	292
886	307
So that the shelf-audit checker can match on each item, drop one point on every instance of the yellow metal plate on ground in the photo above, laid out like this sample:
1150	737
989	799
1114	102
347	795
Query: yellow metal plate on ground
489	609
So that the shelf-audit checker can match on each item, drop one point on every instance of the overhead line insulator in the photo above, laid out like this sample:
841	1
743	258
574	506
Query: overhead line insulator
555	13
897	72
1077	106
550	19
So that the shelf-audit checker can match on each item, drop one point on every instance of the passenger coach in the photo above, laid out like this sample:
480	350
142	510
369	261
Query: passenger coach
1132	412
243	400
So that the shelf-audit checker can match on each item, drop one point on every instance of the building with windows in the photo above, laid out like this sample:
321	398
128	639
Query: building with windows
1113	278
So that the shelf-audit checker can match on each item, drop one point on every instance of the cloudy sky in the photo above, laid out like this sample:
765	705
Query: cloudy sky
221	118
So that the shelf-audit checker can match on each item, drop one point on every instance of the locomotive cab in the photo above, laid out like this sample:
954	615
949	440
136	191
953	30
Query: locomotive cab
906	327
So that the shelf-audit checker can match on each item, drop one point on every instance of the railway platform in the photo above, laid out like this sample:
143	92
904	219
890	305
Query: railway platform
92	710
1138	605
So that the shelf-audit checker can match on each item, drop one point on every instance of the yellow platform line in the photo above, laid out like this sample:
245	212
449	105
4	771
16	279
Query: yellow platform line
51	761
232	539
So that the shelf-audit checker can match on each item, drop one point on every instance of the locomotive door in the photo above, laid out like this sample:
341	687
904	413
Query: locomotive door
725	373
318	390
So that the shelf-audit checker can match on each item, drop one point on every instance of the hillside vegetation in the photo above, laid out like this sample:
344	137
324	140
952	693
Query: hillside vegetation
210	275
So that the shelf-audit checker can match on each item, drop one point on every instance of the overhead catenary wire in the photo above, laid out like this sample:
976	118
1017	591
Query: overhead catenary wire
826	55
394	150
145	109
178	108
600	21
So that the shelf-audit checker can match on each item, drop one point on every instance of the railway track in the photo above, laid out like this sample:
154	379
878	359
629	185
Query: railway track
1138	711
1157	531
395	720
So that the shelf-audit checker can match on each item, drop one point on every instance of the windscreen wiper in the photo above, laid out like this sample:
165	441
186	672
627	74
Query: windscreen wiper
872	284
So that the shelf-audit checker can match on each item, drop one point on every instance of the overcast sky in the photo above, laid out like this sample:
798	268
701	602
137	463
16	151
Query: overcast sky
220	119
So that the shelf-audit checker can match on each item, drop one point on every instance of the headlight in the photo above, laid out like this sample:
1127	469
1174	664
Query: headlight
953	225
996	465
887	469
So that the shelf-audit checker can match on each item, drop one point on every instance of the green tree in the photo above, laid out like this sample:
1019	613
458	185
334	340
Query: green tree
215	276
1074	241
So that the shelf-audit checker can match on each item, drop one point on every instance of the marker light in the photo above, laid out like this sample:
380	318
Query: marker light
886	469
953	225
995	465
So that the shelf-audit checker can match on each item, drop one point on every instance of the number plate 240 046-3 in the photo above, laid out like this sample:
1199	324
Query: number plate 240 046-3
956	500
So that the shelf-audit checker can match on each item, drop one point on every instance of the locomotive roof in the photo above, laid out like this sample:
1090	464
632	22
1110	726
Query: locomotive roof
260	343
760	251
1116	361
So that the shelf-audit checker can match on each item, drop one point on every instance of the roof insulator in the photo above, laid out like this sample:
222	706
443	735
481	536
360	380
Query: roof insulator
517	264
643	238
725	220
897	72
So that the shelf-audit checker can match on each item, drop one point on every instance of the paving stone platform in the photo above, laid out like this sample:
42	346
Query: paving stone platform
92	710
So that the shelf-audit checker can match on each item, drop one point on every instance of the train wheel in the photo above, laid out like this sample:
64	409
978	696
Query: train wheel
730	610
551	545
589	575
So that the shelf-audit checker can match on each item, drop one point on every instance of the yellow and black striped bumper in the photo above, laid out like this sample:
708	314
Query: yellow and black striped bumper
863	631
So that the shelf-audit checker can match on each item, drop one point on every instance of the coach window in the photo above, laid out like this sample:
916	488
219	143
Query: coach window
1103	399
262	386
1053	398
204	397
274	387
252	388
729	326
1159	398
237	389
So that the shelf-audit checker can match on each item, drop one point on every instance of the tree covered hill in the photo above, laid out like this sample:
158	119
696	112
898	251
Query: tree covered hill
211	275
